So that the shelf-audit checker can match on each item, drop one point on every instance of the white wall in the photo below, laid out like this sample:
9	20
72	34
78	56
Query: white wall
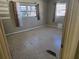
28	22
50	12
59	19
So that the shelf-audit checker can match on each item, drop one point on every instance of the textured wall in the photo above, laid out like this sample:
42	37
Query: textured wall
28	22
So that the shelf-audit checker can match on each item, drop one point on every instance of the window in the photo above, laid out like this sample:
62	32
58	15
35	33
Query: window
29	10
60	9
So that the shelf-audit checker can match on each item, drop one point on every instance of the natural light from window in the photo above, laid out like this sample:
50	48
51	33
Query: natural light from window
29	10
60	9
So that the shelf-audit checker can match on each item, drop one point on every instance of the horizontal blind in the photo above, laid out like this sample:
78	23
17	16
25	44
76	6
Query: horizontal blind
4	10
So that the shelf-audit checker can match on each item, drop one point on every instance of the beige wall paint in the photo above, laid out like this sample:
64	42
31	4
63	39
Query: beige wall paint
77	52
1	52
3	0
50	12
28	22
71	34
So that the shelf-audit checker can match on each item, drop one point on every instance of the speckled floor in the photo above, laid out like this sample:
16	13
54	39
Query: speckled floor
33	44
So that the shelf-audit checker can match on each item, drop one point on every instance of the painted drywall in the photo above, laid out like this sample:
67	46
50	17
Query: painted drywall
50	12
28	22
77	52
3	0
59	19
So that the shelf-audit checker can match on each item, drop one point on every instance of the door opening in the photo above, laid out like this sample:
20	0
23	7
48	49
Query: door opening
37	39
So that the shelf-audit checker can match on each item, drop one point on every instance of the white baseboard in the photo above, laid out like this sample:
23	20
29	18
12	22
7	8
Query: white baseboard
52	26
49	25
55	27
24	30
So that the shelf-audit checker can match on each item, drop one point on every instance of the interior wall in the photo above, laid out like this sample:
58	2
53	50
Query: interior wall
28	22
77	52
50	12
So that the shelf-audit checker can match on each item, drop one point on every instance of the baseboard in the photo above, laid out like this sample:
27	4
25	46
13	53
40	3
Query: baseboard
24	30
53	26
49	25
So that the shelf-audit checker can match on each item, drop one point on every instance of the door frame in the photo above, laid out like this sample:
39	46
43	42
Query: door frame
70	35
4	48
71	30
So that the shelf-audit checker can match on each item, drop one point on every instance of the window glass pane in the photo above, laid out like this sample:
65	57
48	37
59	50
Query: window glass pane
23	14
60	9
33	13
28	8
22	8
33	8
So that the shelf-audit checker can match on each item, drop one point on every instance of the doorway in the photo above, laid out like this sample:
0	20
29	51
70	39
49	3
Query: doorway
60	11
33	43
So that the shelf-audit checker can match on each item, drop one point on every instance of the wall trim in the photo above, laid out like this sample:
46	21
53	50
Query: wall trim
29	29
54	26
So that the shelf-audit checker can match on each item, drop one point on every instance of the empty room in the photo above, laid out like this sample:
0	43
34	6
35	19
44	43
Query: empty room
33	28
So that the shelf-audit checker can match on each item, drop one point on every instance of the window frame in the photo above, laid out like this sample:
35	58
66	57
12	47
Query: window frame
56	12
28	10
